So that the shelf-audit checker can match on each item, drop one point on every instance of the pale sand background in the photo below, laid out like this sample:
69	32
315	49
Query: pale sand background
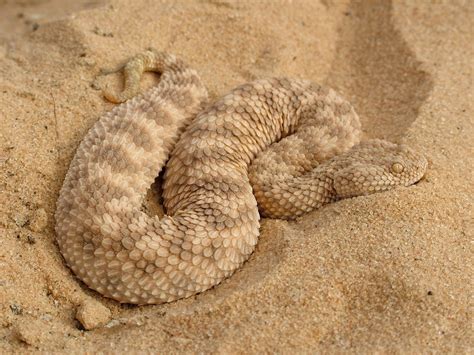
385	273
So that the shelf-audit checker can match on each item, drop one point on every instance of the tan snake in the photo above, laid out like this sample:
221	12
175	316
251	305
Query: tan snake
289	145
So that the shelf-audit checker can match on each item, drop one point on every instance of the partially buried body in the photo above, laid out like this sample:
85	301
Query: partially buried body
289	145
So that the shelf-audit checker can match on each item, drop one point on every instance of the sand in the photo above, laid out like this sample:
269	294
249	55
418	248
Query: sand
386	273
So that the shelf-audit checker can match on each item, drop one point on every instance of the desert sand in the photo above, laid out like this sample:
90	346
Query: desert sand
386	273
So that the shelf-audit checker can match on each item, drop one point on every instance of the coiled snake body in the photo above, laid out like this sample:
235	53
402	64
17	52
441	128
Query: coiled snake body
295	143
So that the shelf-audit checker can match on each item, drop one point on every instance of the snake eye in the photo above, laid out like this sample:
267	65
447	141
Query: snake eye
397	168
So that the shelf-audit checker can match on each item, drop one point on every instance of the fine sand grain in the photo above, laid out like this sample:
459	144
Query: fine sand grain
386	273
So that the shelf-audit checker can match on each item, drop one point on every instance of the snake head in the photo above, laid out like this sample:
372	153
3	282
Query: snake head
375	166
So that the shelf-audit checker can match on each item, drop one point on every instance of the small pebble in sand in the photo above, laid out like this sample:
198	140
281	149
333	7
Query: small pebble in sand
95	85
113	323
87	61
92	314
102	32
46	317
20	219
31	239
16	309
39	220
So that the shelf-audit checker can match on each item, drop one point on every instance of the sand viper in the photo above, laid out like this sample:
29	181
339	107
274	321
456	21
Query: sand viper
286	146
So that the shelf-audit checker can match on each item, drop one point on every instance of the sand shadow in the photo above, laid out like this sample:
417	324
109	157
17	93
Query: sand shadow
377	72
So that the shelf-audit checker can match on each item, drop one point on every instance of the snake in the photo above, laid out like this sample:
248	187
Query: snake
274	147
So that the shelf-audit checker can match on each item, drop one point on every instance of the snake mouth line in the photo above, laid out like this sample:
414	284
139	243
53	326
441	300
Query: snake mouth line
423	178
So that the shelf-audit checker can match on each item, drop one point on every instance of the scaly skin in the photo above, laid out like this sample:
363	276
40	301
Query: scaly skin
294	142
